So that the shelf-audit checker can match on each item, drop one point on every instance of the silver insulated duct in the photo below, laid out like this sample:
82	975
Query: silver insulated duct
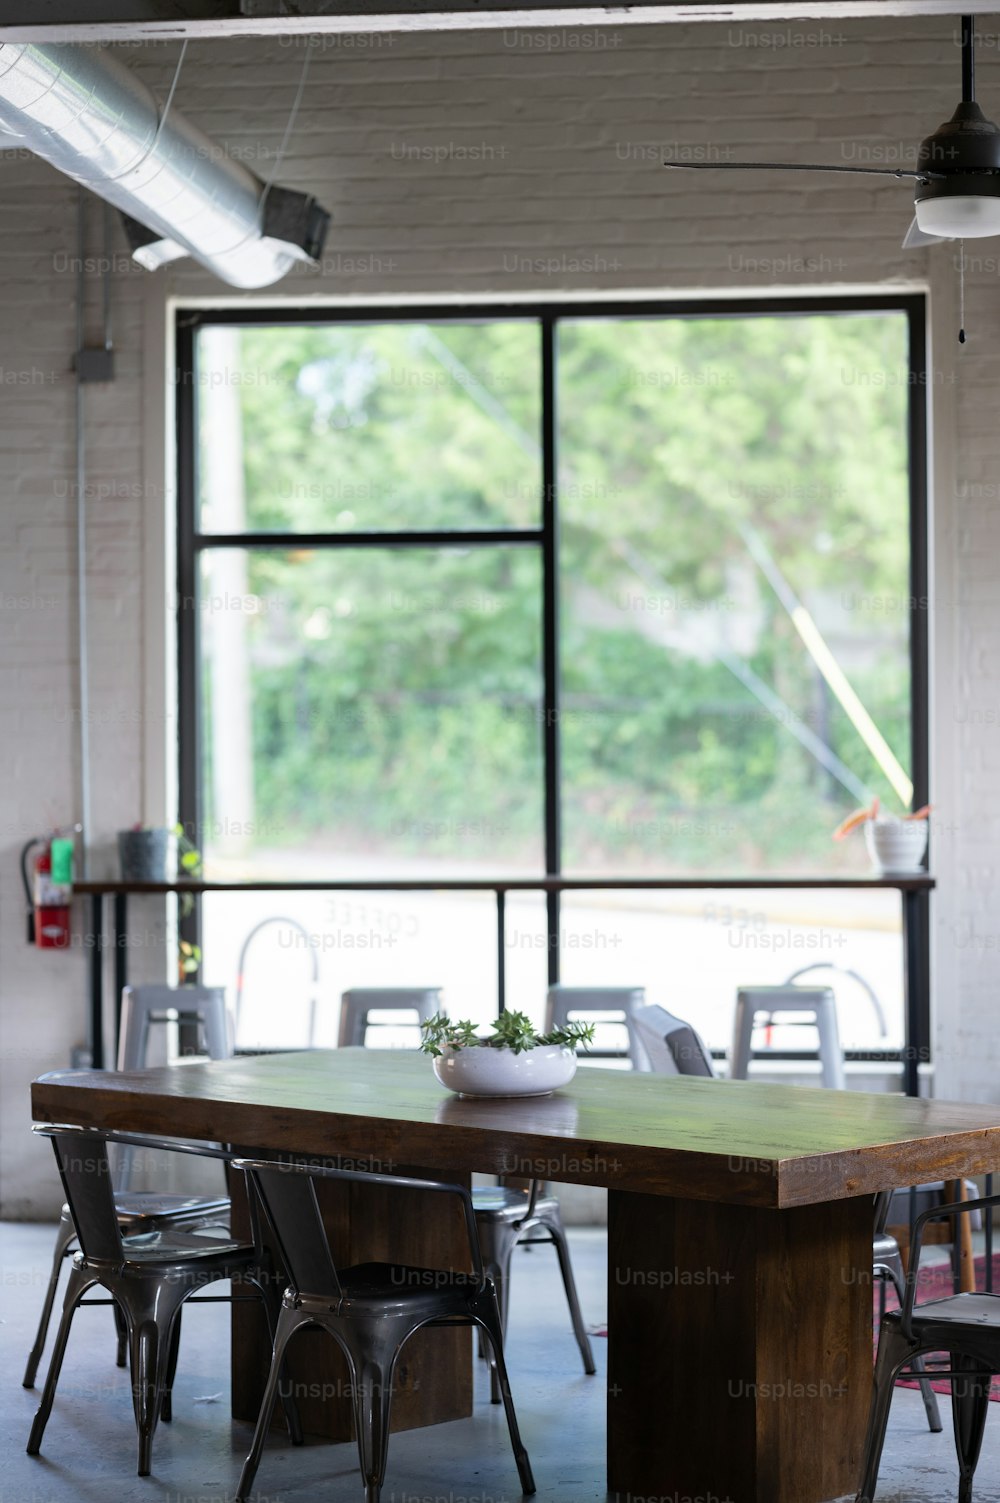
83	111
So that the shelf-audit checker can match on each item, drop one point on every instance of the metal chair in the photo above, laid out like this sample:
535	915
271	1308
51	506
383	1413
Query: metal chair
357	1004
608	1003
817	1000
967	1327
674	1048
149	1277
505	1216
141	1211
370	1310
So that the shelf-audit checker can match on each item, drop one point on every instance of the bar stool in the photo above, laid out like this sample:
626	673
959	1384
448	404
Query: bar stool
815	1000
582	1002
143	1006
357	1005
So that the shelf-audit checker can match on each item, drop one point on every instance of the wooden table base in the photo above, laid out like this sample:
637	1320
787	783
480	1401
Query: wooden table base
366	1223
740	1349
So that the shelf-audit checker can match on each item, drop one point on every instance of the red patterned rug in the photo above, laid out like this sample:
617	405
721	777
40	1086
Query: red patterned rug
935	1282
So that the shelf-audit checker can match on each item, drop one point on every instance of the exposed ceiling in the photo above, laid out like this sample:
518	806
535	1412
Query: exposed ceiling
124	20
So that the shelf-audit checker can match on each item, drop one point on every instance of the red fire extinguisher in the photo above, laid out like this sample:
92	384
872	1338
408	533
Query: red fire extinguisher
49	891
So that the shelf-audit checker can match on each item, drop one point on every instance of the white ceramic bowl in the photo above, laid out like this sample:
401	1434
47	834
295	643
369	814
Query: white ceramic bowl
501	1072
896	845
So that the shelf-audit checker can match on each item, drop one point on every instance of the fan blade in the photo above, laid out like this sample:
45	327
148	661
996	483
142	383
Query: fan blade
920	177
916	237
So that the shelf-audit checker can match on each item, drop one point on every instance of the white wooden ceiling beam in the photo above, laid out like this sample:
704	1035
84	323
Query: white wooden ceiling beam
131	20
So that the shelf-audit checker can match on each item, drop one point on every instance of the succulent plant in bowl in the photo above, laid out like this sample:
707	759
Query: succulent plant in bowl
511	1060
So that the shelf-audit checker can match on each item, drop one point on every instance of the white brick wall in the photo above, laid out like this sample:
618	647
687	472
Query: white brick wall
485	163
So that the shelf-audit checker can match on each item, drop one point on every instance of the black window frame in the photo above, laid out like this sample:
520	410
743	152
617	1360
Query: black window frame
545	537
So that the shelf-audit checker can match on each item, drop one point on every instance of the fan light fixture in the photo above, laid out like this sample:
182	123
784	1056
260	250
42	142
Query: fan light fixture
956	178
963	216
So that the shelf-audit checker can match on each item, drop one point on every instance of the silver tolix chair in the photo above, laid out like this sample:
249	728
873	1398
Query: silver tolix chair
145	1211
371	1310
148	1277
967	1327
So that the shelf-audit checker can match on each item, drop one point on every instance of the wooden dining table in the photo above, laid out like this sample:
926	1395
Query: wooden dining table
740	1239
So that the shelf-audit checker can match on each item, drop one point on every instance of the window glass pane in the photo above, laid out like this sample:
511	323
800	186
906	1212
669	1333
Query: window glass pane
735	588
369	710
286	958
363	427
693	950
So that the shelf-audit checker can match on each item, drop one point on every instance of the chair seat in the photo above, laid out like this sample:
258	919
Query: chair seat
975	1310
172	1244
501	1203
388	1284
387	1281
133	1207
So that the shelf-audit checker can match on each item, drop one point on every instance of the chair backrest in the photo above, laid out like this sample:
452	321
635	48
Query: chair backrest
291	1207
287	1192
673	1046
82	1160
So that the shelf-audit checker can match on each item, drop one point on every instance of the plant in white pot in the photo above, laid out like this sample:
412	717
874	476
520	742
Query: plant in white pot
513	1060
896	843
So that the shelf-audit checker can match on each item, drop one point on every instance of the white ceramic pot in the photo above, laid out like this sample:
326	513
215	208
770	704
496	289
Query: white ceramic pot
501	1072
896	845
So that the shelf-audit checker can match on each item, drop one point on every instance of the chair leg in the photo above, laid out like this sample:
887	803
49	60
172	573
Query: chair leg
555	1226
929	1397
152	1315
487	1315
65	1237
501	1284
166	1401
498	1242
79	1283
893	1351
372	1406
970	1402
146	1358
286	1328
121	1326
272	1312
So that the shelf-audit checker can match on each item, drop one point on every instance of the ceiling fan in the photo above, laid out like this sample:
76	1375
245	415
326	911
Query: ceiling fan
957	175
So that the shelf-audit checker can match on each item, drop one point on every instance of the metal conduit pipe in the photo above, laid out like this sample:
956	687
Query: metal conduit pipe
84	112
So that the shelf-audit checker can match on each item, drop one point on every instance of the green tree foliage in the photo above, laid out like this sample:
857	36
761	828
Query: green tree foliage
713	474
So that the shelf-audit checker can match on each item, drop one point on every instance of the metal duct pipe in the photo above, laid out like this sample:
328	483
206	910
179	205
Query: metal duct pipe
83	111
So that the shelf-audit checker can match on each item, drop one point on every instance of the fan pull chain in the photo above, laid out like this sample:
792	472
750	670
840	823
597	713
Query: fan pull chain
961	292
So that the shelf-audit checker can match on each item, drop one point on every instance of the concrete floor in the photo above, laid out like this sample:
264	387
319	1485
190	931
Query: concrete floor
89	1447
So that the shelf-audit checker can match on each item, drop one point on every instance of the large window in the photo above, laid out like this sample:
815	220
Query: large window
629	591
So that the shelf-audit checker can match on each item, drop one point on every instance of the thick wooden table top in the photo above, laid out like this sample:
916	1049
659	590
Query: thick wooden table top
734	1142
